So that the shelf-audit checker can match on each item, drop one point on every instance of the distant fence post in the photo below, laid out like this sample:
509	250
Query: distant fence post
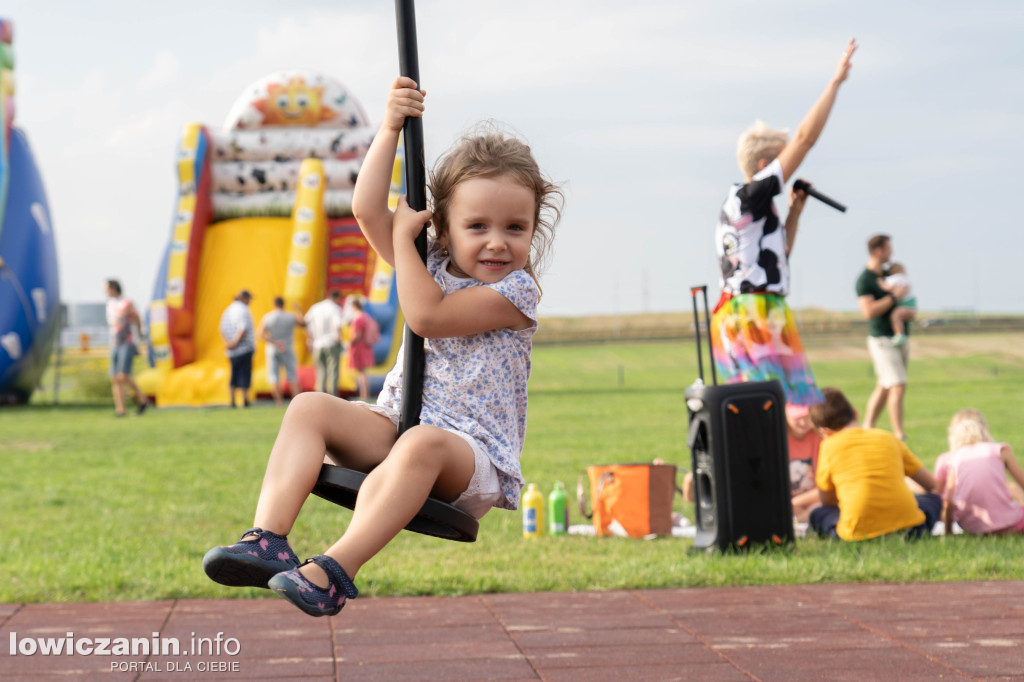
60	355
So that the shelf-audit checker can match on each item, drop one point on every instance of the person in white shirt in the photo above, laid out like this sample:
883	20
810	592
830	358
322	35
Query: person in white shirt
236	329
324	321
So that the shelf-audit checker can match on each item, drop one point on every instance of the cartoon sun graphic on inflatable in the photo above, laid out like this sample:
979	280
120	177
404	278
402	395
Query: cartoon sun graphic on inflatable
294	104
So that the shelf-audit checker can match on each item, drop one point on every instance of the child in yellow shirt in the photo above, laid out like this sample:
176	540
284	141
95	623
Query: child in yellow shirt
860	478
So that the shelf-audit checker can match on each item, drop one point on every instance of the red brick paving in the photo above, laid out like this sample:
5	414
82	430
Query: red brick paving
949	631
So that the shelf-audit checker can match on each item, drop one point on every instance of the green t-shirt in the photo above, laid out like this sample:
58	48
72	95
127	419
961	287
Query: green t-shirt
867	285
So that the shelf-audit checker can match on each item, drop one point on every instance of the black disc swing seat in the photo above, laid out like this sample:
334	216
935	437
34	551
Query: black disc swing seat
439	519
338	484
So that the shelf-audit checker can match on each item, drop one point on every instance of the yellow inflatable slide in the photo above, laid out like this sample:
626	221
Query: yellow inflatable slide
265	205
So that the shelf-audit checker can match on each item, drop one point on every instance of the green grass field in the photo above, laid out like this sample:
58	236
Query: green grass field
96	508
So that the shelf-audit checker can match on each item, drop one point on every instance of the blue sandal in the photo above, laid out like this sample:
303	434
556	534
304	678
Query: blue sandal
314	600
250	563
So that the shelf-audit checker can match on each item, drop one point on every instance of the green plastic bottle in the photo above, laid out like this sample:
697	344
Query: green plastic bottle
533	512
558	510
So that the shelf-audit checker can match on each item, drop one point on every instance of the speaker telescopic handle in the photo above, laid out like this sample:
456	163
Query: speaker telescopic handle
696	331
711	349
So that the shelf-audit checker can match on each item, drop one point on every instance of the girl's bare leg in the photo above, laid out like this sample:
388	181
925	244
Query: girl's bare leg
425	461
315	424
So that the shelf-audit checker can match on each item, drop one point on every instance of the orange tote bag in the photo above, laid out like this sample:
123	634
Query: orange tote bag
637	496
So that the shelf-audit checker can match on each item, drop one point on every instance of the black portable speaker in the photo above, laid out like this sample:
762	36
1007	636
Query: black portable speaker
740	459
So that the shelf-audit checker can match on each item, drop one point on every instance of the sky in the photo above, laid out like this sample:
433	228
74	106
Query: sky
634	106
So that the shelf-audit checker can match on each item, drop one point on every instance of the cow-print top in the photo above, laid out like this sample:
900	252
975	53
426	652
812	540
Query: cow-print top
750	239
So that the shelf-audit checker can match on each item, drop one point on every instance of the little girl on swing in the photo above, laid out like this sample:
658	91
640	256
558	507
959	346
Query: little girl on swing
474	302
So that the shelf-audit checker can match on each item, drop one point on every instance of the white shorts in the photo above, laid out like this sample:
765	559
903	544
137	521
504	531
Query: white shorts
890	360
484	489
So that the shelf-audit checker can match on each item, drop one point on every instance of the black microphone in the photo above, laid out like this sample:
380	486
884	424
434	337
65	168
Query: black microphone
802	186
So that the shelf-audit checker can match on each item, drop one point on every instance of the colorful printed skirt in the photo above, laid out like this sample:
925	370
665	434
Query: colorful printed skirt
754	338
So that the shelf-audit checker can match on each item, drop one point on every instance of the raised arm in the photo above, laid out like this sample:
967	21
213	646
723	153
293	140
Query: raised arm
370	198
814	121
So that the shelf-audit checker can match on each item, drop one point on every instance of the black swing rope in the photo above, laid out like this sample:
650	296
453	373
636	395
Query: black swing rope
340	485
416	194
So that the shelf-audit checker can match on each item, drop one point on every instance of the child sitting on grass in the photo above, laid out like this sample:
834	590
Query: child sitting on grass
905	309
804	447
972	478
474	302
860	478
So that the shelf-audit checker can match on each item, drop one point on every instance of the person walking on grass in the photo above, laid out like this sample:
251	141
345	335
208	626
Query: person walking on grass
890	359
123	321
475	304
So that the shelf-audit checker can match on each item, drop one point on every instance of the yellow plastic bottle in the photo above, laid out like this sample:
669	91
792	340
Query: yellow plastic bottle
533	512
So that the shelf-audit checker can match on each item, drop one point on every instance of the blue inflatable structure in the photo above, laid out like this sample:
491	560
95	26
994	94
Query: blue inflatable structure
29	283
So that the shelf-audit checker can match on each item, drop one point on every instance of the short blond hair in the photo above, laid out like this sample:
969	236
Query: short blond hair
757	142
967	428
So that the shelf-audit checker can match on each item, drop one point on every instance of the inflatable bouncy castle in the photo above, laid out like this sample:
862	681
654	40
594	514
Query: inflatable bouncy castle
264	204
29	284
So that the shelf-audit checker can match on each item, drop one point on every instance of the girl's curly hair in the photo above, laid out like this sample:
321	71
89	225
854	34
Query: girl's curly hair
488	151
